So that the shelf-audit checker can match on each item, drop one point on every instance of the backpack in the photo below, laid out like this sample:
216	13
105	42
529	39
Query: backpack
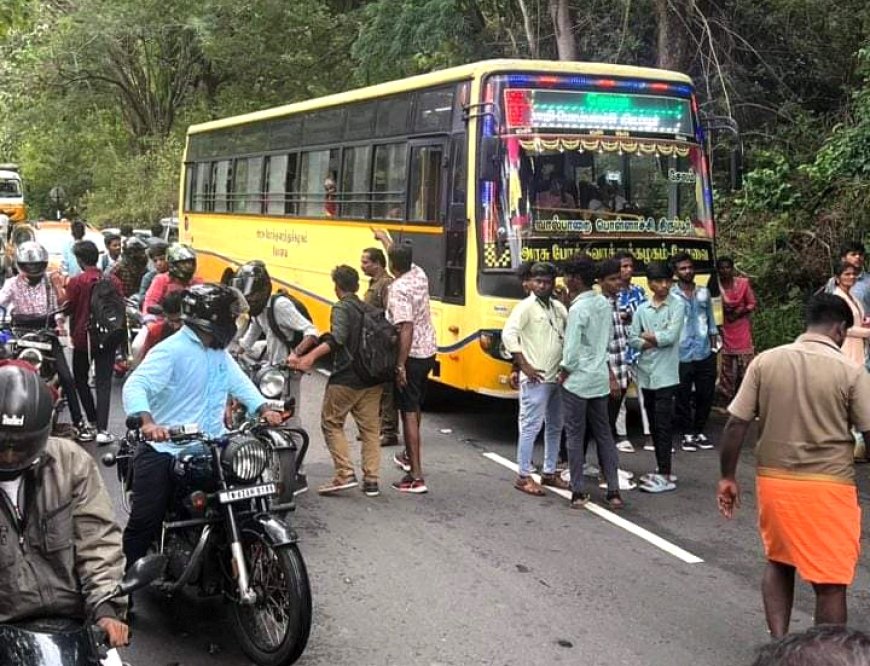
290	344
108	320
374	357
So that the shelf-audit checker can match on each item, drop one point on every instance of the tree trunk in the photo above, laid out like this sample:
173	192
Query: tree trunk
673	40
563	25
528	26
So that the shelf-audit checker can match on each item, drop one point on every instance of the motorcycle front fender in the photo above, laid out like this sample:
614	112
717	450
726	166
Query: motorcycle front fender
276	531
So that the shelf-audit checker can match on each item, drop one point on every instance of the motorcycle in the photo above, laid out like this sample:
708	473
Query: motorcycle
68	641
126	352
226	531
271	379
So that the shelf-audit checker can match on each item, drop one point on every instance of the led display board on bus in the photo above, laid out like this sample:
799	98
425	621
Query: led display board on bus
536	110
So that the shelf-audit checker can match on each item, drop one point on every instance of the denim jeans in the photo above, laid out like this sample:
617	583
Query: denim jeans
540	405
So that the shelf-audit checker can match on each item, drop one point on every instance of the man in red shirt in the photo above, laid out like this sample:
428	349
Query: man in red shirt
182	266
78	308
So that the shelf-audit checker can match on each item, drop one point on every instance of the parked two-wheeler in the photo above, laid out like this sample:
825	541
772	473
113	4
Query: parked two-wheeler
226	531
69	641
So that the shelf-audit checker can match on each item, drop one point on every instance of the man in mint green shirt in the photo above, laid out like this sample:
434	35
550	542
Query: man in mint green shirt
655	331
587	381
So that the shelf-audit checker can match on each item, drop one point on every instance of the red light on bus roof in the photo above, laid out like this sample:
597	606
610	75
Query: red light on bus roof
661	87
606	83
548	80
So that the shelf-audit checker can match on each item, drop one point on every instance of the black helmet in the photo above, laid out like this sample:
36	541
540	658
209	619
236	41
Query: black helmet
25	418
135	246
213	309
182	262
32	259
252	280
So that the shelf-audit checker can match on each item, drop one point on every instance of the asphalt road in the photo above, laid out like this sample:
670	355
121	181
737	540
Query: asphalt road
477	573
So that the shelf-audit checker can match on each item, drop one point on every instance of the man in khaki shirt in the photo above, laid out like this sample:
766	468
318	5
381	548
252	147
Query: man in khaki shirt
808	398
534	334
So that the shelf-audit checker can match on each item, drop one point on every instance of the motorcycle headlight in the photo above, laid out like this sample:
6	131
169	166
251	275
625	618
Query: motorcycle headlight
246	458
271	384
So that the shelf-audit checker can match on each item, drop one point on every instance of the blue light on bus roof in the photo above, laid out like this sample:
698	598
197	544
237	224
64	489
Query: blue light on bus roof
546	80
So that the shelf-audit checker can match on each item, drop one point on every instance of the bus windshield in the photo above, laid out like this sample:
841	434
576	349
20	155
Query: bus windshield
10	187
594	173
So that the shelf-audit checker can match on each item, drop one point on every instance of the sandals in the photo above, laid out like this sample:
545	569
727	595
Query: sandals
614	501
528	485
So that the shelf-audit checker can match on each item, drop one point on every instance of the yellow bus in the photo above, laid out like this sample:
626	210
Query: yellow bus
481	167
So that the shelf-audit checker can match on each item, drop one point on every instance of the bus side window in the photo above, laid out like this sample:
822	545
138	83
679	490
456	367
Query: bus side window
389	179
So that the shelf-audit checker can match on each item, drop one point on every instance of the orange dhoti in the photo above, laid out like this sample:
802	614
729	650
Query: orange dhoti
811	524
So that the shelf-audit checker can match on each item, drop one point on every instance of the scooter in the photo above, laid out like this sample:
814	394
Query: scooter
71	642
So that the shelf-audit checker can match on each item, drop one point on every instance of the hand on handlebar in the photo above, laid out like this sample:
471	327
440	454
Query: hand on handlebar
117	632
155	433
272	417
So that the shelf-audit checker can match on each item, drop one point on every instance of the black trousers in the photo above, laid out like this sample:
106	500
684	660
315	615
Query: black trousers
104	361
659	406
65	378
152	491
693	410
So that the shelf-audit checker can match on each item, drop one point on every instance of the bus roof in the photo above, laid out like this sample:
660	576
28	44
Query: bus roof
470	71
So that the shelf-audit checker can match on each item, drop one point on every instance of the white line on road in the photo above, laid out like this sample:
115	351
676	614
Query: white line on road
611	517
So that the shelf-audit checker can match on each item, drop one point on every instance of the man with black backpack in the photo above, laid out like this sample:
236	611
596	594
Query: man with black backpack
283	320
97	310
355	385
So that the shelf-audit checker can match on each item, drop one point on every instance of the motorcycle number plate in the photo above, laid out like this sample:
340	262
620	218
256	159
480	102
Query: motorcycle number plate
34	344
228	496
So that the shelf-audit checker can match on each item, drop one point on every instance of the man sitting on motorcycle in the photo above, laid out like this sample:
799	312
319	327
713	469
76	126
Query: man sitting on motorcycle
186	379
35	299
157	264
60	547
182	266
286	328
157	331
132	265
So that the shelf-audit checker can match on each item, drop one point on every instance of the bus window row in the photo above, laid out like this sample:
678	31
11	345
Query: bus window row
393	181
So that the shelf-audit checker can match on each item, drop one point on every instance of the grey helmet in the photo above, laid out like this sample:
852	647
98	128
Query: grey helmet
31	259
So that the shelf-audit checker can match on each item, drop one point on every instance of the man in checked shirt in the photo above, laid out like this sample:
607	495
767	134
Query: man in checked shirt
610	282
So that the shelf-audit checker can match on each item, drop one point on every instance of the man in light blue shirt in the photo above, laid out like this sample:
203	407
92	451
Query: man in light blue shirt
699	343
587	380
186	379
69	265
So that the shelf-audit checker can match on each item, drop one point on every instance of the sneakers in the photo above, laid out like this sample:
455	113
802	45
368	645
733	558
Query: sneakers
648	444
624	446
702	442
338	484
409	484
85	432
105	438
625	483
657	483
590	470
579	500
554	480
402	461
370	488
670	477
688	443
301	485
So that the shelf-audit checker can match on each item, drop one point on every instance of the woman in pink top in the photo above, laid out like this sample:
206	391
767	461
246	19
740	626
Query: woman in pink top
855	345
738	303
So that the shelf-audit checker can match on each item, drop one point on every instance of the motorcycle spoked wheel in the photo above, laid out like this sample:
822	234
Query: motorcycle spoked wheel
274	630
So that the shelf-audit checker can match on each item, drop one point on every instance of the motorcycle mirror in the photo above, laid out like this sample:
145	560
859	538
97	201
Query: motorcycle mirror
108	459
145	570
134	422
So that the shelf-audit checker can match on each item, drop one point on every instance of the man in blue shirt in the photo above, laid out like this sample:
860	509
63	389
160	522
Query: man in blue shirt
185	379
699	343
69	264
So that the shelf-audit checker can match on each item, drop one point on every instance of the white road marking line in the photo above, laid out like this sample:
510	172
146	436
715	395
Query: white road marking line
610	517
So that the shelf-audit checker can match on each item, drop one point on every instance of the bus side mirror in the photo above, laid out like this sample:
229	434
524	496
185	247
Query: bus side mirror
736	169
487	164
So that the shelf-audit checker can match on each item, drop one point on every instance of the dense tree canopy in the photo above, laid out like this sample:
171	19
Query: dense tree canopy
96	95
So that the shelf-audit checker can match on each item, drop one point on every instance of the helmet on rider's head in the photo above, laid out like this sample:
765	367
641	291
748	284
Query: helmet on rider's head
32	259
134	250
26	410
253	281
214	309
182	262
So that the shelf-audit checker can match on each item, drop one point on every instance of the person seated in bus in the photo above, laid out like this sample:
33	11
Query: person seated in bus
555	195
610	199
330	204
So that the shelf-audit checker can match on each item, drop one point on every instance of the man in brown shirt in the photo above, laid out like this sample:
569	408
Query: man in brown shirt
374	265
808	398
